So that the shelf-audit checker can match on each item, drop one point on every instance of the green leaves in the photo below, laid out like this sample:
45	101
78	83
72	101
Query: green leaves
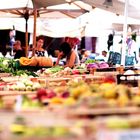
12	66
54	69
6	65
88	61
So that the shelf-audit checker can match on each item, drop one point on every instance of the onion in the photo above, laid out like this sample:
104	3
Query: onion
92	65
103	65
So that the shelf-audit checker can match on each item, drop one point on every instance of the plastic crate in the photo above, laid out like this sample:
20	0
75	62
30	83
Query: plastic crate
114	58
130	80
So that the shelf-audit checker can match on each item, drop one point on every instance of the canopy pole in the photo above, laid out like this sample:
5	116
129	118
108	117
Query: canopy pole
34	33
26	16
123	53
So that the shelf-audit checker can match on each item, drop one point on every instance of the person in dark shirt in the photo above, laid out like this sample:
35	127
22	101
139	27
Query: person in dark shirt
19	52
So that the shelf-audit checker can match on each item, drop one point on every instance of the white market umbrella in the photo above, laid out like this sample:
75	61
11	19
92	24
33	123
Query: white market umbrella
19	8
5	23
61	27
25	9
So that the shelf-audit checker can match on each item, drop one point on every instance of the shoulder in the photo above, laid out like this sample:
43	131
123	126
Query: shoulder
73	53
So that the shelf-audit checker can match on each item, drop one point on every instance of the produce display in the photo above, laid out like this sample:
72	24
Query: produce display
97	65
75	93
10	66
64	103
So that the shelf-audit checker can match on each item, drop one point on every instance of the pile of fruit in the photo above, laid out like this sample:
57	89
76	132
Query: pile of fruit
24	84
20	127
120	122
60	71
77	93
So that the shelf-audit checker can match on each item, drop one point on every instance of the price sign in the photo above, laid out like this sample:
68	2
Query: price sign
118	135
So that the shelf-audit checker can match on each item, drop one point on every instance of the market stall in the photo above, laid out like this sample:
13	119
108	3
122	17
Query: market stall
93	100
67	103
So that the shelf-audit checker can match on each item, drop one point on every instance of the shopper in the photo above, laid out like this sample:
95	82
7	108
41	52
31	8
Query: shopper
67	52
73	41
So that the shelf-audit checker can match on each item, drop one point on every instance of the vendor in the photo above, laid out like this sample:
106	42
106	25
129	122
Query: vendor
39	50
19	52
67	52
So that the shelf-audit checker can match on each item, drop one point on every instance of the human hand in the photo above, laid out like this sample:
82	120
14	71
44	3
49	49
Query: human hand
60	55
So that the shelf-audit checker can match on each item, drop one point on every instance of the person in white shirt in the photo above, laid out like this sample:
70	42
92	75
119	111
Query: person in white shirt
103	56
39	50
132	50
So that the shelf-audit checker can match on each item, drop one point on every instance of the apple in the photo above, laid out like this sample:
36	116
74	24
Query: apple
41	92
109	79
75	71
50	93
65	94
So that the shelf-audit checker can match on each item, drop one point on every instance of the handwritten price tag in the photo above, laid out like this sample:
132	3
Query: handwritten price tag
118	135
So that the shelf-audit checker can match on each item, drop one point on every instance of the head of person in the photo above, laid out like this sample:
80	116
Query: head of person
56	53
87	53
17	45
40	41
65	48
104	53
82	51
